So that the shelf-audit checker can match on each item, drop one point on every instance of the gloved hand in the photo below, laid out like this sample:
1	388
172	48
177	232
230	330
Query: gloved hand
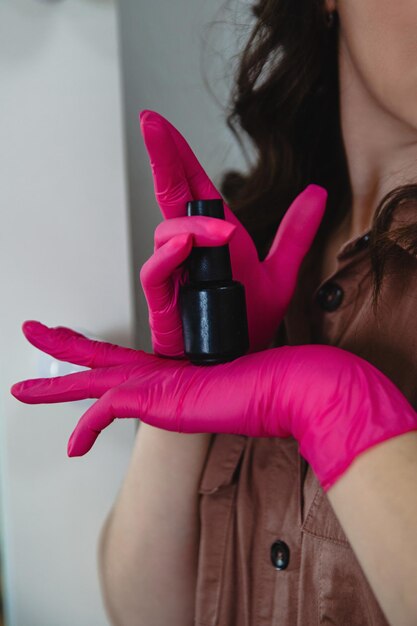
269	285
333	402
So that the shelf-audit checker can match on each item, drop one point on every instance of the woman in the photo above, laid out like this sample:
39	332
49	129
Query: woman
236	528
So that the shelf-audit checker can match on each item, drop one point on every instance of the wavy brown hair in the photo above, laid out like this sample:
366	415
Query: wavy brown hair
285	98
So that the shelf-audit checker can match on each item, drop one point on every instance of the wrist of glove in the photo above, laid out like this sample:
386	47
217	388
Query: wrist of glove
334	403
342	405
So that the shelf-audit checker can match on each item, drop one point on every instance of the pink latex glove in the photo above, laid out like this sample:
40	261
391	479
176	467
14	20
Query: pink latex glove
269	285
334	403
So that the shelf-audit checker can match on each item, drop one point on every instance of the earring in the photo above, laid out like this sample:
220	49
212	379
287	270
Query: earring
330	19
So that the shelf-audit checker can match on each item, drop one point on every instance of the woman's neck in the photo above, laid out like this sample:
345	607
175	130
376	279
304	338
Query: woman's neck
381	150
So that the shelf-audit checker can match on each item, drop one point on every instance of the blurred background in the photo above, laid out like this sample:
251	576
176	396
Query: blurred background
77	220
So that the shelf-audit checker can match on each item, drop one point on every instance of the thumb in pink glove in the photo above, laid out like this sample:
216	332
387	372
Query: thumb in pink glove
269	284
334	403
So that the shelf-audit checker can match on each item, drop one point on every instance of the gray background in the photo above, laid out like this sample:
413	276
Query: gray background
77	221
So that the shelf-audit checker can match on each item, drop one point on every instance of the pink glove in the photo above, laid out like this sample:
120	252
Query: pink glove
269	285
334	403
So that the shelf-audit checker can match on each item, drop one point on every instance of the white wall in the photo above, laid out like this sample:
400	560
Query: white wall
64	260
67	227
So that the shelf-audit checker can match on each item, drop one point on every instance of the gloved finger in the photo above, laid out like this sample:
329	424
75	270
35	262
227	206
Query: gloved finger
187	178
156	274
56	389
199	182
78	385
122	403
101	414
295	236
68	345
161	275
89	426
206	231
170	182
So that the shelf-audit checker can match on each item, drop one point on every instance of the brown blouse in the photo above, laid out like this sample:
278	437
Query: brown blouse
272	551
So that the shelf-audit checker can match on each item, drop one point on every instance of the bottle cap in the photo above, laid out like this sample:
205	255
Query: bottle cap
208	263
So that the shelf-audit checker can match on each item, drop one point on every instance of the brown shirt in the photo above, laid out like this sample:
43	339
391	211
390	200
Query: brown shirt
272	551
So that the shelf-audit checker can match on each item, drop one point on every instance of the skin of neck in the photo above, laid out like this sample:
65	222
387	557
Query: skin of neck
381	149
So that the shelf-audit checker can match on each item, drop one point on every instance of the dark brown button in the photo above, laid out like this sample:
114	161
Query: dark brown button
363	242
280	554
330	296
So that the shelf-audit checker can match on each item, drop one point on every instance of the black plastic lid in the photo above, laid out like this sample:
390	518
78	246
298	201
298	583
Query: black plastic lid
209	208
208	263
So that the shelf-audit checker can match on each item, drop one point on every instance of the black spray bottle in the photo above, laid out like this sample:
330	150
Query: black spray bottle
212	304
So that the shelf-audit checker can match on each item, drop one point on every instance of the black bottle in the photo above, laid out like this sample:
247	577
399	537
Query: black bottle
212	304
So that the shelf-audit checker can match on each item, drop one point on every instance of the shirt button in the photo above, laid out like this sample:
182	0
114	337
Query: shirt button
362	242
280	554
330	296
